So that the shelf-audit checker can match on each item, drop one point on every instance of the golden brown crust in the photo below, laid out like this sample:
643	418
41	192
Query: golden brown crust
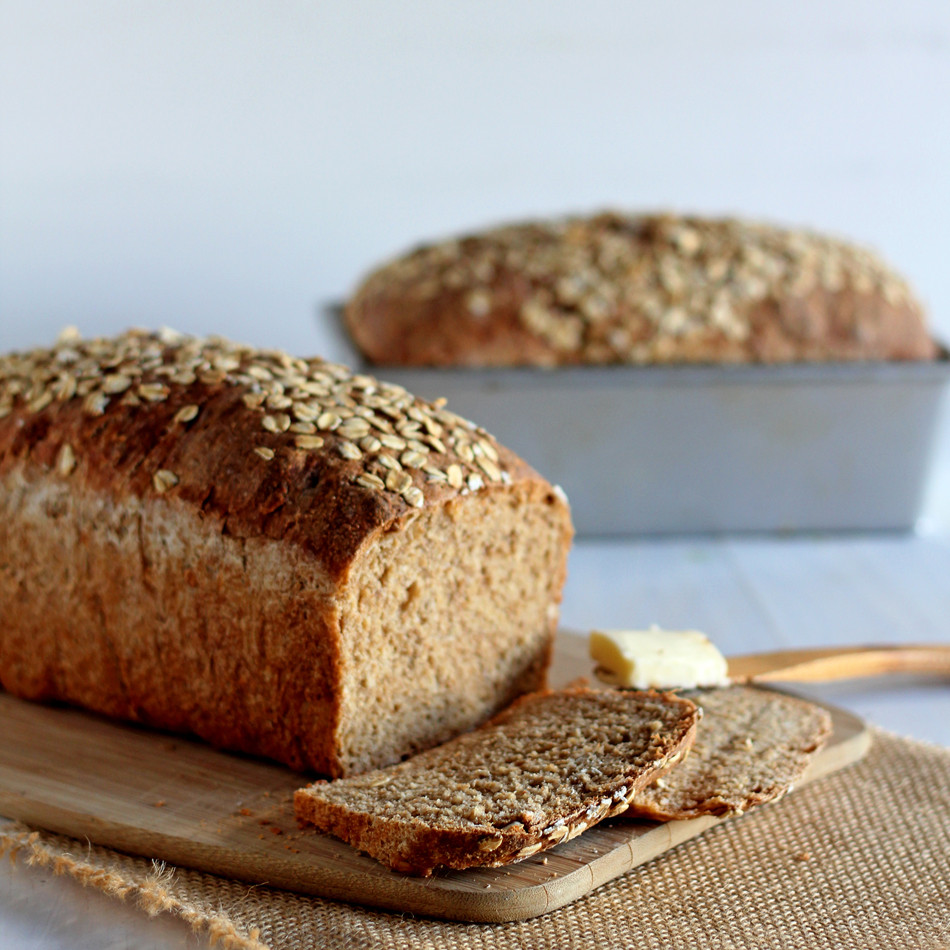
181	521
636	289
132	411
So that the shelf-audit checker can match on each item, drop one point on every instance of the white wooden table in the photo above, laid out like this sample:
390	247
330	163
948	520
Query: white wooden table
747	594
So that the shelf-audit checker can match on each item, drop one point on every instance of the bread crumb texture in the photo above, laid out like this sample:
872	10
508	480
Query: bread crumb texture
539	773
637	289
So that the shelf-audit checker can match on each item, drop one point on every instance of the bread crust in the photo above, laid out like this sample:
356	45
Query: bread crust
289	497
636	289
173	552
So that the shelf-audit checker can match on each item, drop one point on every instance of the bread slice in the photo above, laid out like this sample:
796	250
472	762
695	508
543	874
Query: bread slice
751	747
539	773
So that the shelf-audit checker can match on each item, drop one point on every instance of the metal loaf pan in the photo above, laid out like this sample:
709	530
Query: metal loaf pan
698	449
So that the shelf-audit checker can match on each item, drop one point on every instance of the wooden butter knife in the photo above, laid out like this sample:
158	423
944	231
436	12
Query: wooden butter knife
794	666
839	663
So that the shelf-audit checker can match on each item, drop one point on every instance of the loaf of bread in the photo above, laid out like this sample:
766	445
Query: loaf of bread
615	289
271	553
541	772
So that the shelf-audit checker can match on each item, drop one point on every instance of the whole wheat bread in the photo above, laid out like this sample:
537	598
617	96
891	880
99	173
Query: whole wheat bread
273	553
751	746
638	289
539	773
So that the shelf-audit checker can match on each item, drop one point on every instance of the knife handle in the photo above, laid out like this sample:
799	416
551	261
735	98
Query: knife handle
840	663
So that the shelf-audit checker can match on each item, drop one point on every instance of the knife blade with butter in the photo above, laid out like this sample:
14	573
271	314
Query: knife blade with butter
687	659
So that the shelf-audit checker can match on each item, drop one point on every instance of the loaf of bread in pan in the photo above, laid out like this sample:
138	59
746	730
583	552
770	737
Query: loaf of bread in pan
271	553
645	289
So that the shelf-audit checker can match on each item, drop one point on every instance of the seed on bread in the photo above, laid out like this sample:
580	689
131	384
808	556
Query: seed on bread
95	403
369	480
309	442
116	383
398	481
66	460
276	423
187	413
164	479
152	392
413	497
349	450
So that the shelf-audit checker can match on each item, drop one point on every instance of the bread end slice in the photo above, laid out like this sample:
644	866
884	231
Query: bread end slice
751	747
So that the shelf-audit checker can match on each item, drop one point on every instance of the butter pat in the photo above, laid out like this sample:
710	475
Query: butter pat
658	659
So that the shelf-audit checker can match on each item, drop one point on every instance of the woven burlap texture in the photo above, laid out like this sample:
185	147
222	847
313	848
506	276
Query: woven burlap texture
858	860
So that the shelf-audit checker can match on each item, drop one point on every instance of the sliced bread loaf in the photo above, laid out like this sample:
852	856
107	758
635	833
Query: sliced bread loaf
539	773
276	554
751	747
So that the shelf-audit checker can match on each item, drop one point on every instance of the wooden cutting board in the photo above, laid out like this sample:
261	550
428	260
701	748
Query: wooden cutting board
161	796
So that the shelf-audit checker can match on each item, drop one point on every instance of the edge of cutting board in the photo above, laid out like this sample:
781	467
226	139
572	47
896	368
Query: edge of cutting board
171	798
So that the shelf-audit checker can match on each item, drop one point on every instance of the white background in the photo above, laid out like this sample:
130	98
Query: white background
228	166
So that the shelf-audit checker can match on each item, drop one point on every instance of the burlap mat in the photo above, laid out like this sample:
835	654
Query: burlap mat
858	860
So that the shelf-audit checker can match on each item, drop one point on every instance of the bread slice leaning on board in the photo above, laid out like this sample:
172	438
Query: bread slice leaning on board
275	554
539	773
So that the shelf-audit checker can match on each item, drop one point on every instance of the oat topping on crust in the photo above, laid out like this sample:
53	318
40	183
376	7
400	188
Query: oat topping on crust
633	288
304	405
